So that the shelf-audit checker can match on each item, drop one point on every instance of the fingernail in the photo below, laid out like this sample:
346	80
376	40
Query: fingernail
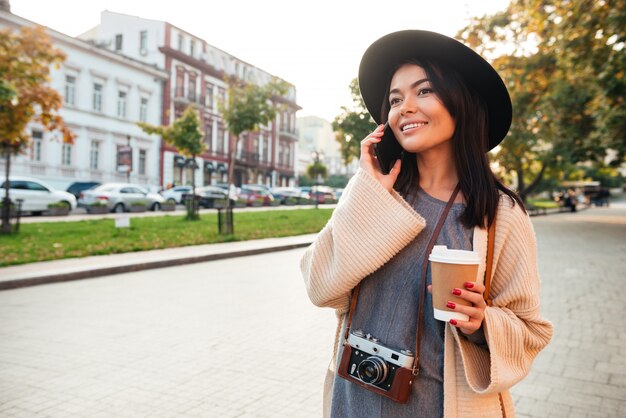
469	285
451	305
456	292
453	321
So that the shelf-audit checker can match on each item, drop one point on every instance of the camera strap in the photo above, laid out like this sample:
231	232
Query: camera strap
422	292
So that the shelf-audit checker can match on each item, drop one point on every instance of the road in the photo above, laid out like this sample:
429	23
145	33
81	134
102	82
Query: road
239	338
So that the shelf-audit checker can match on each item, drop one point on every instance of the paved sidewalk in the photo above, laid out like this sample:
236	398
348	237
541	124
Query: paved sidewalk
96	266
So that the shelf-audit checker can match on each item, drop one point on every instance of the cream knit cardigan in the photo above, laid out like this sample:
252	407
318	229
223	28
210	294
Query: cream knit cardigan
371	225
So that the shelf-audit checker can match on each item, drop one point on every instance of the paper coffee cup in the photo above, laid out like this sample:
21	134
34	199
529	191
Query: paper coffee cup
451	269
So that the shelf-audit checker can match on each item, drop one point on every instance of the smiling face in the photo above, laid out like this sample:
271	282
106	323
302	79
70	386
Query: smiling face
417	117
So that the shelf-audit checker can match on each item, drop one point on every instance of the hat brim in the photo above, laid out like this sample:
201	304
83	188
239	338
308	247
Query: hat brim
385	54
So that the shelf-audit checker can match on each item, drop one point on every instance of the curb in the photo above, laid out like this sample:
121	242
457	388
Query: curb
127	268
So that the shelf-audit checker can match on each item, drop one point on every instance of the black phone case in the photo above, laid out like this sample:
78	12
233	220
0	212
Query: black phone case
387	151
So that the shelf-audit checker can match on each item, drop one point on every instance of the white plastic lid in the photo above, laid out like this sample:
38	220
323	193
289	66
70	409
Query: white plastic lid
442	254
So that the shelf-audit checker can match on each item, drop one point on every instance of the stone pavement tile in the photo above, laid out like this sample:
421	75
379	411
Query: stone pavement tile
550	409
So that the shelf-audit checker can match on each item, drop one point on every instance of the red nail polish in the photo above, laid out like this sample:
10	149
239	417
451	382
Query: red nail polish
469	285
451	305
456	292
453	321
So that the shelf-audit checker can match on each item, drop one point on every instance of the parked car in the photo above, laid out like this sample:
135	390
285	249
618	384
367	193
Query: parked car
289	195
36	194
257	195
77	187
209	196
120	196
175	194
323	194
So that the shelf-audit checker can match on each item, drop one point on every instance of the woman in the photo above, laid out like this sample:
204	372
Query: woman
446	106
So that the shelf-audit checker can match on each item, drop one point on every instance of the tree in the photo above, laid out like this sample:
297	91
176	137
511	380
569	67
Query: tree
25	96
186	136
352	125
315	170
248	107
564	66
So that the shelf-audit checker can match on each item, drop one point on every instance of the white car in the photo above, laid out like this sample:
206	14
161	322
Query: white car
119	197
175	194
36	194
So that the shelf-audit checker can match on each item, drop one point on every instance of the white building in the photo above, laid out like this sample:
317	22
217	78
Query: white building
317	135
196	72
104	95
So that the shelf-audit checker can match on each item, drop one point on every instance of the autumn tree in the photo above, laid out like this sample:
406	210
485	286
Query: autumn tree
185	135
247	108
564	65
352	125
25	96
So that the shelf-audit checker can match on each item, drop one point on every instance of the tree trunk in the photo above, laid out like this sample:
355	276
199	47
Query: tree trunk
535	182
6	201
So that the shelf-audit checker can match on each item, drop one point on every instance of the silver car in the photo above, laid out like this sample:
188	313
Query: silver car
36	194
119	197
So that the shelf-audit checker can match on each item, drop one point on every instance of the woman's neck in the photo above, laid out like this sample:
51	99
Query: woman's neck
437	175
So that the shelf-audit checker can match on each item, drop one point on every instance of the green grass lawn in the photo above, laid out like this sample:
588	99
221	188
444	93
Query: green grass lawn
55	240
543	204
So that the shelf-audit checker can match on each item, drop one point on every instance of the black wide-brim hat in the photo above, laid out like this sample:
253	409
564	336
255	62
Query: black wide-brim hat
388	52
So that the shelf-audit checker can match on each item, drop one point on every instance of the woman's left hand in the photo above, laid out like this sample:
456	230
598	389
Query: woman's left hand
473	293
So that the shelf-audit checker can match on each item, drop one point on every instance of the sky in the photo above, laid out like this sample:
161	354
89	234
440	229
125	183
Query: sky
315	45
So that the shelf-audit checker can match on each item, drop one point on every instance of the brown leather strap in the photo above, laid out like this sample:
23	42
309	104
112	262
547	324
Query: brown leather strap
491	235
355	296
422	293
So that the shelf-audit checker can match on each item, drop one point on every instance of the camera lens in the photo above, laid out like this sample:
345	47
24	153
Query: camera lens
372	370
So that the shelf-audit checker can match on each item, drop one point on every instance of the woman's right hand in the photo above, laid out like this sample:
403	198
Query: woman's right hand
368	160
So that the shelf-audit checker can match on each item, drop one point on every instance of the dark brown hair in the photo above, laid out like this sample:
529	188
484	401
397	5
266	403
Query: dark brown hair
479	185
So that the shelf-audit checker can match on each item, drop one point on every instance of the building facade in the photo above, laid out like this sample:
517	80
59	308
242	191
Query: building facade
104	95
316	135
196	72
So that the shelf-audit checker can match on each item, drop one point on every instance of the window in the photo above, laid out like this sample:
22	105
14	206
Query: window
142	162
208	134
208	96
220	138
192	48
118	42
35	145
97	97
66	155
143	41
191	92
181	41
121	104
70	90
180	83
94	155
143	109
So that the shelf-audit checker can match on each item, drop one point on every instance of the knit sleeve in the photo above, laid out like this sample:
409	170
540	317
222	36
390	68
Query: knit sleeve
368	227
514	329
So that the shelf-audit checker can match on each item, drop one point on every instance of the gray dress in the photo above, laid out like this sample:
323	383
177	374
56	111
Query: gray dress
387	308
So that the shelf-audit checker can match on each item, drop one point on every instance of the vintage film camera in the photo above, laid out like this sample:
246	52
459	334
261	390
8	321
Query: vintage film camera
368	363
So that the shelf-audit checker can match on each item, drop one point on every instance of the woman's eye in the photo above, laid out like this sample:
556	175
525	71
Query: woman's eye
427	90
394	101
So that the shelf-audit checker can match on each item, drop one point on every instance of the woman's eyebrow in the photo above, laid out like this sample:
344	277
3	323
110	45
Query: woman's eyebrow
415	84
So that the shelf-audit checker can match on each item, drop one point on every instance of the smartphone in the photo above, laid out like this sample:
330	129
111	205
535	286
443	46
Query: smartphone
388	150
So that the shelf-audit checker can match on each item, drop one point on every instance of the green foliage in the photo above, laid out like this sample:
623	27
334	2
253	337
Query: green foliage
55	240
564	67
250	106
352	125
338	181
315	169
186	136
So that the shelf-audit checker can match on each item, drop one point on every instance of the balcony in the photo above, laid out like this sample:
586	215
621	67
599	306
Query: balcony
248	158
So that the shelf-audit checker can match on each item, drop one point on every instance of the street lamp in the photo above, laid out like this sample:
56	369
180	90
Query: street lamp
316	156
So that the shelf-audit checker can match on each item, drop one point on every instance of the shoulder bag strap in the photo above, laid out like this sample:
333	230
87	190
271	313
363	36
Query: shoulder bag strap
491	237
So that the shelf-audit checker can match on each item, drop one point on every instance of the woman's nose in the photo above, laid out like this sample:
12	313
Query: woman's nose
409	105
